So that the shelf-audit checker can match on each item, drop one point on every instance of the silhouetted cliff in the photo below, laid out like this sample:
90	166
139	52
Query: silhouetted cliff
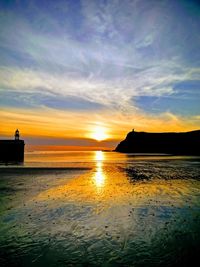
185	143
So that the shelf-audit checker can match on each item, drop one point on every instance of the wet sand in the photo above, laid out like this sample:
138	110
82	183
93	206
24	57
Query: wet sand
31	170
119	213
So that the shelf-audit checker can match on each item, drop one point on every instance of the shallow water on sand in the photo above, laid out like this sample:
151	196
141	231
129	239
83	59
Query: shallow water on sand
126	210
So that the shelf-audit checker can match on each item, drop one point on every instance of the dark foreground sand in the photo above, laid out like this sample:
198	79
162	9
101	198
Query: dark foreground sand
124	213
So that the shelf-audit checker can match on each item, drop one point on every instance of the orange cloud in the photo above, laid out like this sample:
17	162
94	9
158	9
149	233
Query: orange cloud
67	124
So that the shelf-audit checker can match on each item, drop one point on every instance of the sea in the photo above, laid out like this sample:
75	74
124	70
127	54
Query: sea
98	208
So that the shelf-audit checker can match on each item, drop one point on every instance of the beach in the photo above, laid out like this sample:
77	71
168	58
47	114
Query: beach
100	209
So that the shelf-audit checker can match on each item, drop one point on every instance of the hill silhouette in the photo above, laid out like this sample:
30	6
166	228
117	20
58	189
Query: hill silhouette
182	143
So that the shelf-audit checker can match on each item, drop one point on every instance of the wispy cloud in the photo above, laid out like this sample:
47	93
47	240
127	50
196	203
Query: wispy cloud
104	57
110	93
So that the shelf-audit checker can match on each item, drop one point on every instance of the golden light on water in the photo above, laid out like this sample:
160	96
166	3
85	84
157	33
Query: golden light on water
99	176
99	133
108	183
99	156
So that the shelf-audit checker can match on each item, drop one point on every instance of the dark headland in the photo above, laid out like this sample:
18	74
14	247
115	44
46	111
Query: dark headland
183	143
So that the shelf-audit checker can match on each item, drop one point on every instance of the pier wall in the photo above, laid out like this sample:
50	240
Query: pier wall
11	150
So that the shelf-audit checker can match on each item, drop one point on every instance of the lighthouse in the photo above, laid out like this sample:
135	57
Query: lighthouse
17	134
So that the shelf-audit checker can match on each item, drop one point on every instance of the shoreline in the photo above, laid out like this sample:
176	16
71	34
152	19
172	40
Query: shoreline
9	169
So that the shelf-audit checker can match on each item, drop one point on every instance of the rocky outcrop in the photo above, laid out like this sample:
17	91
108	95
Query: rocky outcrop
183	143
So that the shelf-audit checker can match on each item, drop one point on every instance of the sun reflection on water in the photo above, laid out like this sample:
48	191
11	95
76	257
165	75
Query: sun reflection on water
99	176
109	183
99	156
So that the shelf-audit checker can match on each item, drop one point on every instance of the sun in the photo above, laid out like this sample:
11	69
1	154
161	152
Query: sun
99	133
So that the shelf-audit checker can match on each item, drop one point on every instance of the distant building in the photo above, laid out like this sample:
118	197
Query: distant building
12	151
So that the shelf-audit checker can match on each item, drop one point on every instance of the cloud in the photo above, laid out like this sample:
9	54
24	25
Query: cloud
122	58
42	99
118	93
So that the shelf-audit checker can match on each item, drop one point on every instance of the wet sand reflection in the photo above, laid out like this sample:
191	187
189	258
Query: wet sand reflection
114	214
111	184
99	176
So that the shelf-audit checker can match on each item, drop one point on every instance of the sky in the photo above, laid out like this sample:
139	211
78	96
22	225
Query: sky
76	71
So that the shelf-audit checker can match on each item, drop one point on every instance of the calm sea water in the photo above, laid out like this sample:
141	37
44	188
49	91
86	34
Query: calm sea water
126	210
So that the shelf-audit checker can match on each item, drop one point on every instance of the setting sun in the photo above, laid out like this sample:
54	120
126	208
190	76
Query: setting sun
99	134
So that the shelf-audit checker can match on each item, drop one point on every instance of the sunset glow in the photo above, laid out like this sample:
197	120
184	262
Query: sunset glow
99	133
74	76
